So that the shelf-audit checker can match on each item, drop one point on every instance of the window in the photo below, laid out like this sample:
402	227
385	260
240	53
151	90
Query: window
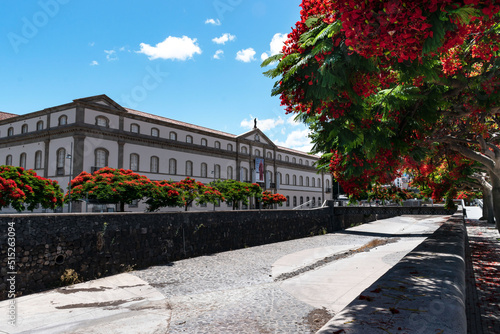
61	156
189	168
279	178
38	160
244	176
301	181
217	145
217	172
279	157
294	160
189	139
300	161
313	182
172	166
257	137
307	162
102	121
155	132
307	201
229	173
63	120
244	150
134	162
134	128
22	160
294	201
319	201
269	155
204	142
203	170
319	182
287	159
134	204
307	181
10	132
39	125
257	153
24	128
230	147
101	158
327	184
172	136
155	163
287	179
8	160
314	201
288	201
301	200
294	180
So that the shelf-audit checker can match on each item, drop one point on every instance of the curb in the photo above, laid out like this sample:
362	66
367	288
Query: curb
423	293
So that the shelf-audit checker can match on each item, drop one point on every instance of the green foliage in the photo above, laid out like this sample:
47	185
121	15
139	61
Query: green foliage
236	191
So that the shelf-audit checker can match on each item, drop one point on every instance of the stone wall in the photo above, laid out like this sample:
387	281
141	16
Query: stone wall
97	245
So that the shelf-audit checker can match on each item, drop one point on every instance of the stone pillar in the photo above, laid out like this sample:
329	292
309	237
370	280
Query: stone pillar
120	152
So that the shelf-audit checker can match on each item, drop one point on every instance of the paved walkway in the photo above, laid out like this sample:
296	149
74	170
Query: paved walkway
288	287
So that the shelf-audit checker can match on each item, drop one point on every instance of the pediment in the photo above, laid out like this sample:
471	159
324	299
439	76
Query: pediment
101	101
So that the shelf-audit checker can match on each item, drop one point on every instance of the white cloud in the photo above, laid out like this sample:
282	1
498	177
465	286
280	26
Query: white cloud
291	121
224	38
91	44
218	54
262	124
111	55
276	46
246	55
297	140
172	48
214	22
94	63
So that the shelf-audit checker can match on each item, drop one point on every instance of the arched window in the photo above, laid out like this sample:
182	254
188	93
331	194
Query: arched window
307	181
134	128
189	139
269	155
319	201
244	150
301	200
229	172
22	160
204	142
307	162
61	156
10	132
203	169
172	166
279	178
307	201
313	182
189	168
300	161
288	201
319	182
294	201
314	201
327	183
8	160
155	163
155	132
39	125
279	157
134	162
24	128
287	179
63	120
102	121
217	172
287	159
172	135
101	158
217	144
301	181
38	160
294	160
257	153
294	180
244	175
230	147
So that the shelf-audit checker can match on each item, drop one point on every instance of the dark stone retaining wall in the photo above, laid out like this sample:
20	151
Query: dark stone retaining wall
96	245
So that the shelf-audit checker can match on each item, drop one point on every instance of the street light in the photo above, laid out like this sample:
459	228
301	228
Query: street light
70	157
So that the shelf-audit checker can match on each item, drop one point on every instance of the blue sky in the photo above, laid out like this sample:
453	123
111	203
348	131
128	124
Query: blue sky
194	60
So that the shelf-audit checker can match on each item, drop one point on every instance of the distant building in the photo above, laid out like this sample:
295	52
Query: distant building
95	132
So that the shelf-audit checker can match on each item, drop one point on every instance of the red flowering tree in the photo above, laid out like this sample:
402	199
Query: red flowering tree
24	189
268	199
383	82
236	191
109	185
162	194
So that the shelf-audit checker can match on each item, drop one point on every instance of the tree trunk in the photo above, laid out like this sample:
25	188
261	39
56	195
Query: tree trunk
121	206
495	192
488	211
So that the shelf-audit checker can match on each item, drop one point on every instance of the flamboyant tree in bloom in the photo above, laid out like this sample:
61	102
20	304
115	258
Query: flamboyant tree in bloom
24	189
110	185
237	191
381	83
268	199
163	194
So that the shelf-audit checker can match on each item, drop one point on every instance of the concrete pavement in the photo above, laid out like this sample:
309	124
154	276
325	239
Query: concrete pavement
265	289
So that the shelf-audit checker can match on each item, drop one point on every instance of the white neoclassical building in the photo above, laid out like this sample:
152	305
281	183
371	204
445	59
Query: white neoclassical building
90	133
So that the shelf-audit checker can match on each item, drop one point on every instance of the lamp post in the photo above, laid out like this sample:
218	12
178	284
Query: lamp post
70	157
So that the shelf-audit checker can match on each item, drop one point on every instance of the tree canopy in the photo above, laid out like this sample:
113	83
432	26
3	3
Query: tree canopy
390	85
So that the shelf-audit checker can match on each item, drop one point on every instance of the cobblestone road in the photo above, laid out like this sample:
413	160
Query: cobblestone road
233	292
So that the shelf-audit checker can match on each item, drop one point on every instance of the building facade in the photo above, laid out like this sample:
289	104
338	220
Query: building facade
94	132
